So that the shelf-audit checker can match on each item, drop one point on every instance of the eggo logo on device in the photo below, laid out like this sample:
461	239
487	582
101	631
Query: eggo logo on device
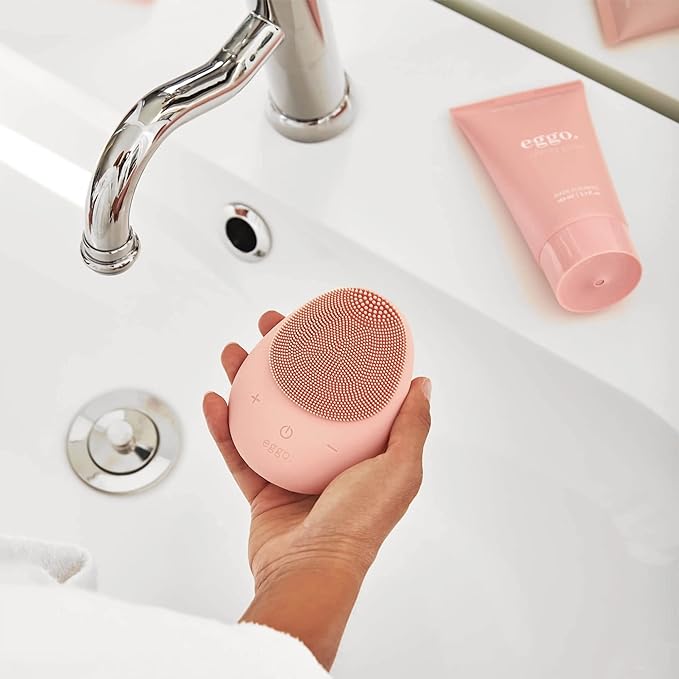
542	141
276	451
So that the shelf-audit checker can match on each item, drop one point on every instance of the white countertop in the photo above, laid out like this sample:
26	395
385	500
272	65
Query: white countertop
648	64
651	59
403	183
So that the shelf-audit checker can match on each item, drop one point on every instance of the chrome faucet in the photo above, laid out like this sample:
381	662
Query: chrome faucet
309	101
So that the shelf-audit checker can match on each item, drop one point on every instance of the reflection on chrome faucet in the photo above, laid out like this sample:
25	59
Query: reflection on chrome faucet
309	102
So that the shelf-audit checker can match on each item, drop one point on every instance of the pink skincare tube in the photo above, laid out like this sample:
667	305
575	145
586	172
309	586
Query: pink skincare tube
626	19
540	149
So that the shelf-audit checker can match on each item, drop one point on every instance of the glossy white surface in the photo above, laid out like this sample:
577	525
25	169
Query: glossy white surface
448	225
651	59
405	185
545	542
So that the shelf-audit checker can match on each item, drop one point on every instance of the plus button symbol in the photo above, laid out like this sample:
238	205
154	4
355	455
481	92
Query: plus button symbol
255	398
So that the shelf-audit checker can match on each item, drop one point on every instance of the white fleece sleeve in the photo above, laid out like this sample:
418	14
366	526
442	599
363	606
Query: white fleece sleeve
53	631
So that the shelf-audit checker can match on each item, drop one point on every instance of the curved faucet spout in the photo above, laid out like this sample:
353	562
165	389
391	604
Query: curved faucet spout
109	244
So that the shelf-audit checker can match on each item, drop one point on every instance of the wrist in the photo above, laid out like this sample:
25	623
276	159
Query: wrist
309	567
341	559
310	599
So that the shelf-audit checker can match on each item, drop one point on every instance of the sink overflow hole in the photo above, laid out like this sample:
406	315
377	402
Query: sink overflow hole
245	233
241	234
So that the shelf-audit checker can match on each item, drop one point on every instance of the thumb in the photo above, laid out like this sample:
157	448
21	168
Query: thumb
411	426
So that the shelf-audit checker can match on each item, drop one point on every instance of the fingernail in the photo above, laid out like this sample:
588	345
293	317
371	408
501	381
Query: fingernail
426	388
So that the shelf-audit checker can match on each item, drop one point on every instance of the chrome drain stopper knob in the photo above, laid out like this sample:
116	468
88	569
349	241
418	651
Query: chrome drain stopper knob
122	441
121	436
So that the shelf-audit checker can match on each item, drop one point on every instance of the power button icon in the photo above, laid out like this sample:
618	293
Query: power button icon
286	432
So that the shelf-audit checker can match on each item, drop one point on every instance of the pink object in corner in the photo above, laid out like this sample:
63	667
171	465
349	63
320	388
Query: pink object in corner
623	20
541	150
320	391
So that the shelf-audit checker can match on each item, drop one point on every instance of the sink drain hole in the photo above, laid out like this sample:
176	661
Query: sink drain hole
123	441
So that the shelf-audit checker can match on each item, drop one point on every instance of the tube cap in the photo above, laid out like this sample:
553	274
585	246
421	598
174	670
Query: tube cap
591	264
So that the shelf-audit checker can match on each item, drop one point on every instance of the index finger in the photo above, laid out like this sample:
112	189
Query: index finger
269	320
411	426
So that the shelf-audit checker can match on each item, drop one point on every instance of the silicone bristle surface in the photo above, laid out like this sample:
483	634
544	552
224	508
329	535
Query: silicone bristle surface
341	356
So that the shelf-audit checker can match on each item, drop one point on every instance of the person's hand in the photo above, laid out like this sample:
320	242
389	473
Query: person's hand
334	535
352	516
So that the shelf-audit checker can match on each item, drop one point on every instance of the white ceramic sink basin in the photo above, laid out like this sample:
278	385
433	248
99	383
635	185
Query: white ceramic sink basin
545	540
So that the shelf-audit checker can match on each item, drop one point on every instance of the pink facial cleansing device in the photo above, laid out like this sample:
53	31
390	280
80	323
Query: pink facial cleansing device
320	392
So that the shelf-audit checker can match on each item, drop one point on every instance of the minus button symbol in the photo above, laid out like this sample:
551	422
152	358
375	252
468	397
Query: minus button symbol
334	450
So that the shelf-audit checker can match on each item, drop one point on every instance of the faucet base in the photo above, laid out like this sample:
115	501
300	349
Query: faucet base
320	129
111	262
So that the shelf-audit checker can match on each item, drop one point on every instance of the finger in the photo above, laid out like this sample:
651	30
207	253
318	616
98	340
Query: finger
217	417
411	426
269	320
233	356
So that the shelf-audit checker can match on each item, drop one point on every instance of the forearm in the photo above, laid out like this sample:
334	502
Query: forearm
311	602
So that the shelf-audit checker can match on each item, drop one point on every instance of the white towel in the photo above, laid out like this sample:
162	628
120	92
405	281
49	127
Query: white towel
25	561
66	632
